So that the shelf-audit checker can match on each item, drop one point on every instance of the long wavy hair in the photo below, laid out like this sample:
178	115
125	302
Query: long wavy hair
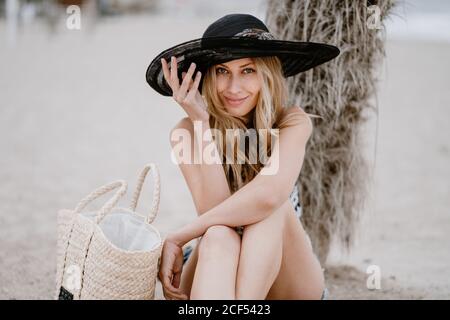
272	99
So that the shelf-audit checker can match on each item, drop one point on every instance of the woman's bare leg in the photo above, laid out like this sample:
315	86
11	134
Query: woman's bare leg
218	257
301	276
187	276
277	261
260	257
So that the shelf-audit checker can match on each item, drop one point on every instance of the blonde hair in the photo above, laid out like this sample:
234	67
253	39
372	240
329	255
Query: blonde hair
271	101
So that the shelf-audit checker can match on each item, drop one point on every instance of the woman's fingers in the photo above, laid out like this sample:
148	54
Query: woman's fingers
191	82
170	271
194	87
169	295
172	292
174	75
166	71
185	85
186	93
169	288
176	280
167	282
172	296
176	295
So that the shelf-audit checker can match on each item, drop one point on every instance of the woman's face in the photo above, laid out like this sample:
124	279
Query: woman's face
238	85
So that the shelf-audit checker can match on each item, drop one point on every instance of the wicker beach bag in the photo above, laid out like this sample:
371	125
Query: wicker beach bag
112	253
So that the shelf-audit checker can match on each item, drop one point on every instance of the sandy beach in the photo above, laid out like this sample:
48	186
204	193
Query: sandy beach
76	113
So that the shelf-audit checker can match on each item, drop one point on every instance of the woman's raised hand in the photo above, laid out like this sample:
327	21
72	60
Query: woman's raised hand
186	94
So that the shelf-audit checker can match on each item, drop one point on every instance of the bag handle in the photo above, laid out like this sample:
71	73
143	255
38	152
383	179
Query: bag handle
156	191
107	207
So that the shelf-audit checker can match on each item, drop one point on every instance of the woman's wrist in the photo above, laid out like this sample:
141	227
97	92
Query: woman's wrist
189	231
174	238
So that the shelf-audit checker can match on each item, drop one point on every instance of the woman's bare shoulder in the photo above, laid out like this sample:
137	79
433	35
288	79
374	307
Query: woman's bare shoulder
184	123
292	116
180	128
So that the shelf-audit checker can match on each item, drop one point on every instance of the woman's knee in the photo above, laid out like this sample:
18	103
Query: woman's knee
219	237
275	221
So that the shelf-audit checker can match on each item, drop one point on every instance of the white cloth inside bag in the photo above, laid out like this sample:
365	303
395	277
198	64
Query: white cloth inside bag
127	231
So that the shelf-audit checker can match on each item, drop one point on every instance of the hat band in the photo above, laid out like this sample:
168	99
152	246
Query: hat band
255	33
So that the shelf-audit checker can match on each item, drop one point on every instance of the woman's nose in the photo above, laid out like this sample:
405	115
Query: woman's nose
234	85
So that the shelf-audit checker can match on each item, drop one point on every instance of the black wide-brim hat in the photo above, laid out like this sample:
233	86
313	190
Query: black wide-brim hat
237	36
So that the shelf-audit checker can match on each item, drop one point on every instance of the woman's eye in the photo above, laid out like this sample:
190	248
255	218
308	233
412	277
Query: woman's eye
246	70
218	70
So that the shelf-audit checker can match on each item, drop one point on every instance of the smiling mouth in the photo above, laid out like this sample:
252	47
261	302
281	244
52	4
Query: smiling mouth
235	102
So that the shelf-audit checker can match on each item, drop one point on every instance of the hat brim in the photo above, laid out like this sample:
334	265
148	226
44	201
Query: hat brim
295	56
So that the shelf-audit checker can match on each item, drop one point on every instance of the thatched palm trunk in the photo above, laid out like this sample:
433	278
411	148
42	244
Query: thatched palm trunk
334	178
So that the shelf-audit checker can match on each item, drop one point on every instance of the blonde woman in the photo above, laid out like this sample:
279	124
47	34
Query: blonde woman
250	240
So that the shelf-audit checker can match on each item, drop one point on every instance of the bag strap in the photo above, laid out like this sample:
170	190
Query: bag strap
156	191
107	207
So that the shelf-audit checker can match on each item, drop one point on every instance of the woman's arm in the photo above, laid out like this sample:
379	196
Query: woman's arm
207	182
267	191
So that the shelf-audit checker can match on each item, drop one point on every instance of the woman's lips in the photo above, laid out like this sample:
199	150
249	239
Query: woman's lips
235	102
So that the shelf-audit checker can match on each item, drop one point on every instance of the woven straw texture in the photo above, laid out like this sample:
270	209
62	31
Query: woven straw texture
89	266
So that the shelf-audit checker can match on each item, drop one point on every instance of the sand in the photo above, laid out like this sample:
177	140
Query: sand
76	113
